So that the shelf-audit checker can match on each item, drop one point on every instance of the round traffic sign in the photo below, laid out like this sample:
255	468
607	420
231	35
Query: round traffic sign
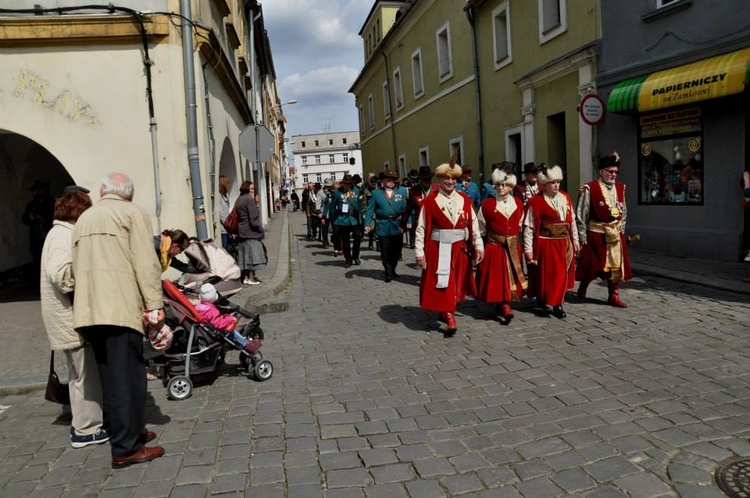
592	109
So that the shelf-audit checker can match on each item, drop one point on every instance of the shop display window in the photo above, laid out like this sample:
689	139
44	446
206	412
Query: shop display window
670	159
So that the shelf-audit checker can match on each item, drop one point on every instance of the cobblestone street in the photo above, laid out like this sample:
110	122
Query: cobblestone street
369	399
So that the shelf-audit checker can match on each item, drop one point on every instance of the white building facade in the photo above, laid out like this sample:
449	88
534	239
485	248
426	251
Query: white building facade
87	92
325	155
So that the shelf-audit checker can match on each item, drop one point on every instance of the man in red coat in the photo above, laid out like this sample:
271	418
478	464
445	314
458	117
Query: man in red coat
600	216
417	194
551	241
447	237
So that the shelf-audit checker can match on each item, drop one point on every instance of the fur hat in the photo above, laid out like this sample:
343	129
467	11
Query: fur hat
500	176
612	159
356	179
446	171
347	179
413	175
208	293
553	174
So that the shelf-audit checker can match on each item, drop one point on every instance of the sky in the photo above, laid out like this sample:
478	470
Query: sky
317	55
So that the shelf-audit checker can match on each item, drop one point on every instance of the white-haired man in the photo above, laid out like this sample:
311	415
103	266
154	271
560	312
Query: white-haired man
551	241
447	238
118	278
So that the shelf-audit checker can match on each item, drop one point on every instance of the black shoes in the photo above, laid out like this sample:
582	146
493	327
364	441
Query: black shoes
357	262
558	312
348	264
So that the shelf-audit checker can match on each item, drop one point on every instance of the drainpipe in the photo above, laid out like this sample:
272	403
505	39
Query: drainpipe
470	15
192	122
393	112
261	187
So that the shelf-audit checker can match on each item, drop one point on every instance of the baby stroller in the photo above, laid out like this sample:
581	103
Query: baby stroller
215	264
199	348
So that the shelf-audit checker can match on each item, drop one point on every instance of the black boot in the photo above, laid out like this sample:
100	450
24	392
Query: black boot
388	275
558	312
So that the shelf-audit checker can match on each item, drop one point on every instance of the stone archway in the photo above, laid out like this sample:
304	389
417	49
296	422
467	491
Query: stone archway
22	162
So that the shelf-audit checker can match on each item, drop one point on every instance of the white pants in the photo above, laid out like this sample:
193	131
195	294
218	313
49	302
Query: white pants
85	390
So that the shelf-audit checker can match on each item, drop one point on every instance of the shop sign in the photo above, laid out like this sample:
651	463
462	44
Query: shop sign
707	79
671	123
592	109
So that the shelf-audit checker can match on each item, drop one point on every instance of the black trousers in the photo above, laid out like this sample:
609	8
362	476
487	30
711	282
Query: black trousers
122	370
390	251
324	233
350	237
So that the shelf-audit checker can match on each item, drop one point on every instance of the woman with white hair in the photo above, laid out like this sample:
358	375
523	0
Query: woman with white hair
500	276
551	241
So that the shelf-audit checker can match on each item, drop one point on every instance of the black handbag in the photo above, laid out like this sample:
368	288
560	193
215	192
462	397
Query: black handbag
56	391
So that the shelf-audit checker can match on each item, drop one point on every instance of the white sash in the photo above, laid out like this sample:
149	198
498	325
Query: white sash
446	237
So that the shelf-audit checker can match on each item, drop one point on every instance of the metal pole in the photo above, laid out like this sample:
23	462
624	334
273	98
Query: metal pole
192	122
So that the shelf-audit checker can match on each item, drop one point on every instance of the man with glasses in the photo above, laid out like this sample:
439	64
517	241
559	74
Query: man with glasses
600	218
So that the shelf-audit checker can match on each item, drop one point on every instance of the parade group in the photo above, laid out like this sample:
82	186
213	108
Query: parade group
500	242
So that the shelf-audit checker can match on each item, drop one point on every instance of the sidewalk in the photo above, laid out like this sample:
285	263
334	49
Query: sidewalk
24	357
714	274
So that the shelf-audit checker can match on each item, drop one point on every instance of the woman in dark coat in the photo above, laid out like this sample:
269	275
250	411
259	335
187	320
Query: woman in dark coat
251	254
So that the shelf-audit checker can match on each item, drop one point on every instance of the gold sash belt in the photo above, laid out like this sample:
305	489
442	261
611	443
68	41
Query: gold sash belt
510	244
614	257
559	231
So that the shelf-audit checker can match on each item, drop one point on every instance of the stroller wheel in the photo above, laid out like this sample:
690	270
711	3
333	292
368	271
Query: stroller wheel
263	370
180	387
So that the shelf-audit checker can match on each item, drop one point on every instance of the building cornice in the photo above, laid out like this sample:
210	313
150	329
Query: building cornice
74	30
558	67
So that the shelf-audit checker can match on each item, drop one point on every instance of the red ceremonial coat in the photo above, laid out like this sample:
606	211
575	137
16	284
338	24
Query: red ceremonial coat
414	203
594	253
555	270
495	273
461	280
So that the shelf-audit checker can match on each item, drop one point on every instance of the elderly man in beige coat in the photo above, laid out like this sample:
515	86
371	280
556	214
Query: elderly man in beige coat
118	278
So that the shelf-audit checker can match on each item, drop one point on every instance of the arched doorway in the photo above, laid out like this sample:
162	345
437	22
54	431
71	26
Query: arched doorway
228	168
23	162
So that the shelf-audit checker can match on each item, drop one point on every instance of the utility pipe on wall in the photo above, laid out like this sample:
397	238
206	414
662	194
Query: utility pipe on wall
470	15
192	122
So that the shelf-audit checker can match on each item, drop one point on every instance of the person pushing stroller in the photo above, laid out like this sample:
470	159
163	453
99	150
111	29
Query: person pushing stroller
223	321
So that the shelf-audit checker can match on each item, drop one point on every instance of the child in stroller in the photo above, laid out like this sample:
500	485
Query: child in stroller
224	321
198	347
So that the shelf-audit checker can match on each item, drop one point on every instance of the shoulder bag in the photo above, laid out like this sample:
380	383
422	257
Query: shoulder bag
232	222
56	391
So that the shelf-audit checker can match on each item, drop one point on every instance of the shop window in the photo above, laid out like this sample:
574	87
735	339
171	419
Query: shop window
670	159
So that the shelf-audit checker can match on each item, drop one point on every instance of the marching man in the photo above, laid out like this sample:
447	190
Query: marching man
600	216
447	240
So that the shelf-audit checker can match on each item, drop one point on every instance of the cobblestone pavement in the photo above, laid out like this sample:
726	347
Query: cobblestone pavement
368	399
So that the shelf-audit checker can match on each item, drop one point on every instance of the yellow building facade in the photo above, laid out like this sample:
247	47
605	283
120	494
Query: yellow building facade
502	80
